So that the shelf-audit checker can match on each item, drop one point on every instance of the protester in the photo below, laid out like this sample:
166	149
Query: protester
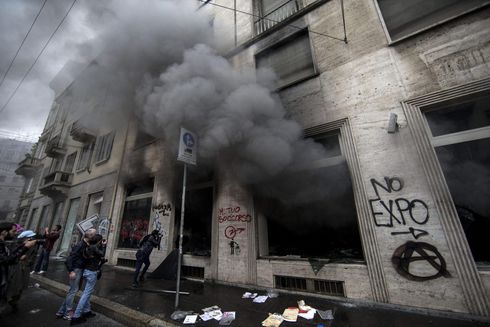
43	258
9	257
146	245
19	273
93	255
75	264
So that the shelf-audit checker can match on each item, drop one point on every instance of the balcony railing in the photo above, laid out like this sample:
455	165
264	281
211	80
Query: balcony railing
81	133
54	147
27	167
56	183
277	15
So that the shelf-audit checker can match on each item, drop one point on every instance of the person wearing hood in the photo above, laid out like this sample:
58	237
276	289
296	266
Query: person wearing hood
146	246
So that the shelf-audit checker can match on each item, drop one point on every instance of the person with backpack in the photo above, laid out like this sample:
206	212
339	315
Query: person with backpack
93	255
146	245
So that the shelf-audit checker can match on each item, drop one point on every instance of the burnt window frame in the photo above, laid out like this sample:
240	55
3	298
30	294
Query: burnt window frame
136	197
338	128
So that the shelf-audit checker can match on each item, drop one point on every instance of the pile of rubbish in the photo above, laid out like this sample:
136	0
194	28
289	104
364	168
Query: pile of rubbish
290	314
214	312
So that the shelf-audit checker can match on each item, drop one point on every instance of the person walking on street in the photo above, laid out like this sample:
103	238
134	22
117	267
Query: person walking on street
9	257
43	258
93	254
75	264
146	245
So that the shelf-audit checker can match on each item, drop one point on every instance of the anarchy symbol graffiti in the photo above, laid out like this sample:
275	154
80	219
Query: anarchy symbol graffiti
404	256
231	231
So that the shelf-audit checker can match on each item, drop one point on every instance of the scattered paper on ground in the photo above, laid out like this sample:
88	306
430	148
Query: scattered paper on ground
308	315
228	317
274	320
205	316
213	308
190	319
261	299
325	314
302	306
248	295
290	314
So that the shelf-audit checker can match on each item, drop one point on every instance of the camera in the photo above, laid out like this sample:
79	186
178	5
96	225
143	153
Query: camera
39	238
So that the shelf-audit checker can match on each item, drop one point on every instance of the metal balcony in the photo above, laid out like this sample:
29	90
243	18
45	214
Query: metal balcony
27	167
54	147
56	184
277	15
80	133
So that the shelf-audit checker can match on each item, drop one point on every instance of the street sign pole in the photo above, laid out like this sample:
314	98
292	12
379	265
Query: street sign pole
181	232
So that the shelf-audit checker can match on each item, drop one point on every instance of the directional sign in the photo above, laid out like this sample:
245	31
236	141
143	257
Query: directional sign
187	147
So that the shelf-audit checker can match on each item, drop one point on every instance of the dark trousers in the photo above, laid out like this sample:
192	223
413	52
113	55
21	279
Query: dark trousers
42	261
140	260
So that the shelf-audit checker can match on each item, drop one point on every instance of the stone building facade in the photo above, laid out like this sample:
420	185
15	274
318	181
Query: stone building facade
396	91
11	152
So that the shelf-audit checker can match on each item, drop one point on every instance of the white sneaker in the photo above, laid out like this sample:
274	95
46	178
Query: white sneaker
41	272
32	272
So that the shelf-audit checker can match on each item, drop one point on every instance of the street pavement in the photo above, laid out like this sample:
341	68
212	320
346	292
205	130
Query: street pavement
151	299
37	308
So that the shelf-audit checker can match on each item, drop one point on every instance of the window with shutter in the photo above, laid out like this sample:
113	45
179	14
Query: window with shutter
406	18
291	59
103	147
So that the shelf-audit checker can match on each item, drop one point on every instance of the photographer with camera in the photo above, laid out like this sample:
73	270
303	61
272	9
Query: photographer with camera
43	258
146	246
9	256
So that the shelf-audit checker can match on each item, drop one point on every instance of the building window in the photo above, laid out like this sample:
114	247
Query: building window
85	155
31	220
406	18
461	138
198	211
291	59
3	178
43	220
271	12
69	227
94	204
136	213
103	147
310	213
70	162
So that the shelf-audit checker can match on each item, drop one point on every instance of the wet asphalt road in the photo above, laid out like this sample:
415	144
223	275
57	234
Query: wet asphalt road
37	308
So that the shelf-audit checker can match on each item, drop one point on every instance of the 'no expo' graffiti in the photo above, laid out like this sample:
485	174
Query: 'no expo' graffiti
399	212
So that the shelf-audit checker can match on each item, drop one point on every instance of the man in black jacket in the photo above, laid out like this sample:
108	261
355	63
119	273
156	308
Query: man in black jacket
146	245
9	257
75	264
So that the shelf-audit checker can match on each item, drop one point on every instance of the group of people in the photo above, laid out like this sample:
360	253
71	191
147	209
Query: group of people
18	249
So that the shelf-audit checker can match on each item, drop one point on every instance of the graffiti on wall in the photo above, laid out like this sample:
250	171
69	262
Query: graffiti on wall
233	214
159	211
404	256
400	211
403	212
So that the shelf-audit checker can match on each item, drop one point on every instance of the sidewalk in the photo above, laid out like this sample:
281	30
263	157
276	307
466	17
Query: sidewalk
142	305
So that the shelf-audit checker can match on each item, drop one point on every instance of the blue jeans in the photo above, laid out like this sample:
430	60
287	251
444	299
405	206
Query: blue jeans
42	261
67	304
84	303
